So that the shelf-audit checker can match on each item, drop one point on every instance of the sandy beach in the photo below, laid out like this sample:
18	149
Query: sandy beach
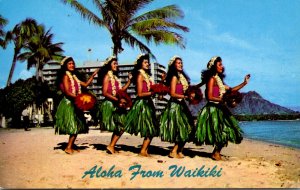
35	159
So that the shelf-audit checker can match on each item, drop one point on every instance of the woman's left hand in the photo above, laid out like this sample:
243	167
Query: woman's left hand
191	96
95	72
246	80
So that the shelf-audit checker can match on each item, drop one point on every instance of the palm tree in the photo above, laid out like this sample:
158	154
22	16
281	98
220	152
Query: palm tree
39	50
20	35
3	22
120	18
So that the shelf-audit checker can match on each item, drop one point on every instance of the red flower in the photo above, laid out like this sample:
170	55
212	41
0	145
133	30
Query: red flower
123	95
195	95
85	101
160	89
232	98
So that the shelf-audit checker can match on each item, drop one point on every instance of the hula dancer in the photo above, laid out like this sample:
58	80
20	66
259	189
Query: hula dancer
69	119
111	119
176	122
141	118
215	123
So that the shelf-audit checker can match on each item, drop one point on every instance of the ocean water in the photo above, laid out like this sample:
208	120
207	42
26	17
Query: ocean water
279	132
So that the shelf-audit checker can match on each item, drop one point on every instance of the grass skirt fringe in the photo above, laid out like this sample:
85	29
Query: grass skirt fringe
110	120
175	123
69	120
141	119
216	126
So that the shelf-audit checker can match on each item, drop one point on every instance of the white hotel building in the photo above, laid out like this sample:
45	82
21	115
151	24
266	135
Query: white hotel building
50	73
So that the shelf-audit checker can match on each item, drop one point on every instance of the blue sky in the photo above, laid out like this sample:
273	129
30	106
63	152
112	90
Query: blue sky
260	37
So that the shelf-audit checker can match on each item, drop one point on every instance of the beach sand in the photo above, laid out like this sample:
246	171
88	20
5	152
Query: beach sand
35	159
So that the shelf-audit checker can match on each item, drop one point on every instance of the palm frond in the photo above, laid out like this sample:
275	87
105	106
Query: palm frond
134	42
56	57
171	12
8	36
130	7
106	10
156	23
163	36
3	22
24	56
3	39
85	13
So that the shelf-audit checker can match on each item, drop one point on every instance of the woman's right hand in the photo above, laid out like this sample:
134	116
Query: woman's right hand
129	76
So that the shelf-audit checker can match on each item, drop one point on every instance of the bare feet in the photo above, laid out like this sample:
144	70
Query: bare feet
144	154
176	155
180	155
110	150
69	151
216	156
173	155
75	148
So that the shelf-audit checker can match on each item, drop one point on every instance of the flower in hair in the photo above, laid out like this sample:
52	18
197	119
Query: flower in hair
139	57
109	59
211	62
173	59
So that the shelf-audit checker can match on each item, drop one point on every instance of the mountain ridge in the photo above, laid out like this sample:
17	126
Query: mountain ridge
252	104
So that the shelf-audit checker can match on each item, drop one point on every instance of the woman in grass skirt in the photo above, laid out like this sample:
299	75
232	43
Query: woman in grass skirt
141	118
111	118
176	122
69	119
215	123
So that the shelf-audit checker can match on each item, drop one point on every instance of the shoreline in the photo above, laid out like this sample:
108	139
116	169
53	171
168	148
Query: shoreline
109	134
270	120
245	138
269	132
274	143
35	159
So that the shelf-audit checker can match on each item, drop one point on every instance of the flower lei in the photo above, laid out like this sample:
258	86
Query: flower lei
183	81
147	78
220	84
71	78
112	79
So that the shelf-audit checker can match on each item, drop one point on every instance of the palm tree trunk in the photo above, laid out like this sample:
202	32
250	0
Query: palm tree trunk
41	75
37	70
117	45
12	69
115	51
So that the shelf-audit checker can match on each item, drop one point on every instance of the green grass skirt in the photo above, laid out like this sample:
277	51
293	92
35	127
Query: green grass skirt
141	119
69	120
216	126
176	122
110	119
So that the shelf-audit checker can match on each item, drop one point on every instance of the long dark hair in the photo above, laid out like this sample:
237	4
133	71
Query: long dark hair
104	69
172	71
138	66
62	72
208	73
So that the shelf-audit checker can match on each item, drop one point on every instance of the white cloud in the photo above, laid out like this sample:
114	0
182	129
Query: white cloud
209	32
231	40
197	18
207	24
